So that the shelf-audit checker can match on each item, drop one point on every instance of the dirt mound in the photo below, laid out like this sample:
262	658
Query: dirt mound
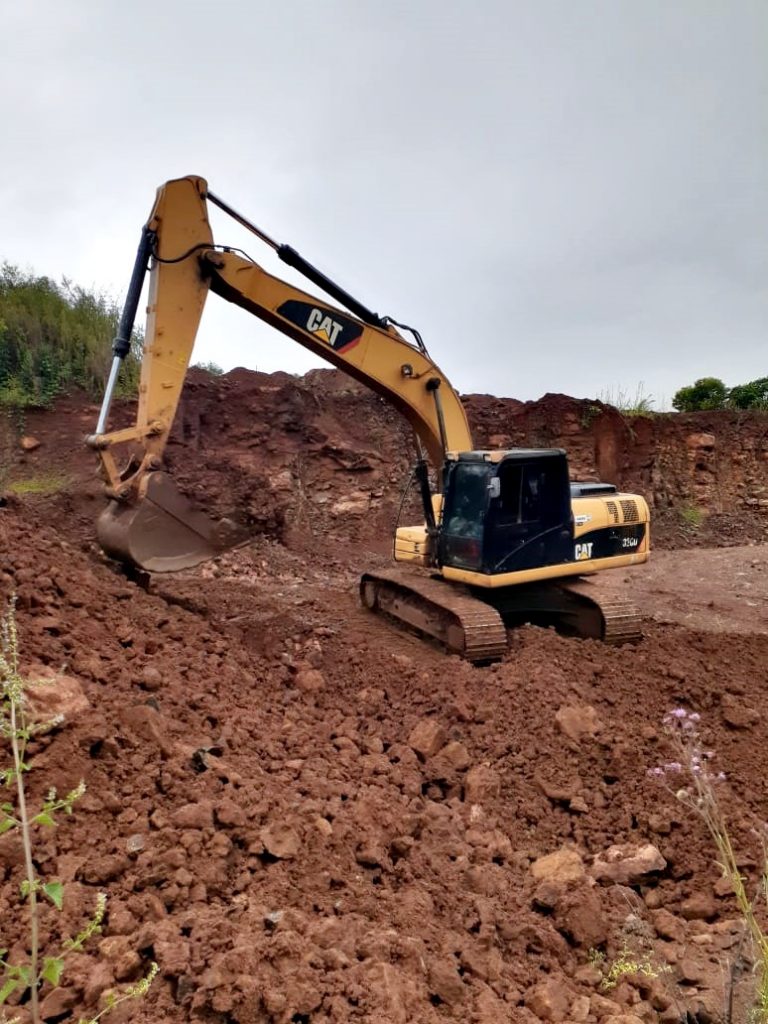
304	816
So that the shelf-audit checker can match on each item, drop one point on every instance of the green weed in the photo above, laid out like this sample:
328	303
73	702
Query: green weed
639	404
18	814
692	516
630	962
693	781
589	415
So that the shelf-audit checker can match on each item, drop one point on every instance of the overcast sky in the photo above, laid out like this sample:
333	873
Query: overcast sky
563	195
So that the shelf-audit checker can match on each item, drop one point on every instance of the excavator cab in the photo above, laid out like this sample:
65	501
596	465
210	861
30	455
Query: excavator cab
506	511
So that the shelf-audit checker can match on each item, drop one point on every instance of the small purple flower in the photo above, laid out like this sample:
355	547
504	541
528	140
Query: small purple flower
673	766
678	713
720	777
694	717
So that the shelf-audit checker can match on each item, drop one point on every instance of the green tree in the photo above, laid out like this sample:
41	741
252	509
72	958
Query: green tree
753	395
705	393
213	368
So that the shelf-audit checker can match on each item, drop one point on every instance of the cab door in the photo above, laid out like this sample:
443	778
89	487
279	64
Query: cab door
529	524
464	515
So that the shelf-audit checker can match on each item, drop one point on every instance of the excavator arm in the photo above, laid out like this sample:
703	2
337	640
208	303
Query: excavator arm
148	522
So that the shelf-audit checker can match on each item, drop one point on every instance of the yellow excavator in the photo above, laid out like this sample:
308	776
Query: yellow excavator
506	538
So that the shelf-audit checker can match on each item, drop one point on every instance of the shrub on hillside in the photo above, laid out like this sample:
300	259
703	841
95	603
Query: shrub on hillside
53	337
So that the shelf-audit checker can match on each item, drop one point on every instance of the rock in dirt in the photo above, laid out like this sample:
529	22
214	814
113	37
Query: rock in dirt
148	725
280	840
309	680
29	443
453	757
427	737
736	714
563	867
627	864
228	813
151	678
701	906
578	721
700	441
482	783
11	850
57	1003
579	1009
667	925
602	1007
197	815
445	982
119	953
550	999
578	915
54	698
693	970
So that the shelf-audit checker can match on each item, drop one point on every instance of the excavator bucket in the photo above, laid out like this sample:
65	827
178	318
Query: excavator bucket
162	532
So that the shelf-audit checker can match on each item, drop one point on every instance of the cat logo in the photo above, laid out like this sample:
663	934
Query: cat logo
583	552
321	325
325	325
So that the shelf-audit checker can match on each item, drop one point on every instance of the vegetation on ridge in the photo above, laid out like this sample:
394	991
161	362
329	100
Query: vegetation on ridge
55	336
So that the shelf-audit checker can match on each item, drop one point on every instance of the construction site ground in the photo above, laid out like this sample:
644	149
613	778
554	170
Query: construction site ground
304	815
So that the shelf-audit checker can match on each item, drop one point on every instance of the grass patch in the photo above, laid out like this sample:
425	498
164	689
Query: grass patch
42	484
692	516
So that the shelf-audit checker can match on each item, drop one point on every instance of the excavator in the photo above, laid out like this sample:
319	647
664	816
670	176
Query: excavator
506	538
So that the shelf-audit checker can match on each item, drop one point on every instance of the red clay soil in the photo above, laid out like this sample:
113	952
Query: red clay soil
303	815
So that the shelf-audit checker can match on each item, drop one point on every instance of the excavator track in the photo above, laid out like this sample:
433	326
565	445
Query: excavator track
473	624
577	607
621	620
446	612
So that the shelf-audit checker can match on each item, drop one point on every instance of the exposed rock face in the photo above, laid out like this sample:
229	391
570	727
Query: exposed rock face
718	460
321	453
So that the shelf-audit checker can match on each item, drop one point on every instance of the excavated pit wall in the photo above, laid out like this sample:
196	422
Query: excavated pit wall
320	456
716	461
